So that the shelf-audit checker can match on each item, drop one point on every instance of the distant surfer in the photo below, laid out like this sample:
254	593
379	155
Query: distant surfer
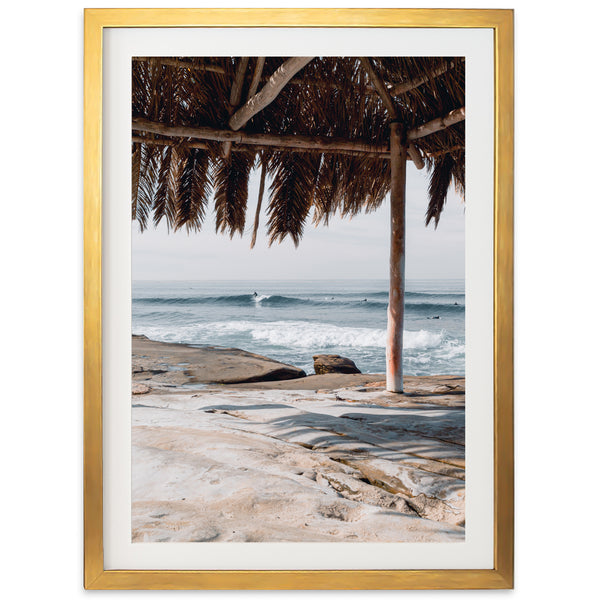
255	295
456	304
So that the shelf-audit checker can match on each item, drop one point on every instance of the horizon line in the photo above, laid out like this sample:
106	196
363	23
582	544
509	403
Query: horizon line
309	279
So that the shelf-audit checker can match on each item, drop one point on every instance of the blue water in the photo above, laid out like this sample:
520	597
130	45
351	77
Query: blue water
292	320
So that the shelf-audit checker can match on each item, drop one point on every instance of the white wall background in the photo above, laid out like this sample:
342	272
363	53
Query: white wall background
557	326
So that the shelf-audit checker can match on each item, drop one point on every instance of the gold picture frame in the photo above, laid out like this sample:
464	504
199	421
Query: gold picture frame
501	576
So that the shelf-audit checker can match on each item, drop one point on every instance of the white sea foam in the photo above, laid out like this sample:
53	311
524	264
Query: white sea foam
304	334
258	299
295	342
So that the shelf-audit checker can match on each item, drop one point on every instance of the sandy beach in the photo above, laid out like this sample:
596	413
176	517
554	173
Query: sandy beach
315	458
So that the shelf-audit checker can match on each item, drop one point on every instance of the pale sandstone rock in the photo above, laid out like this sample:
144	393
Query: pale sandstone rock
289	465
140	388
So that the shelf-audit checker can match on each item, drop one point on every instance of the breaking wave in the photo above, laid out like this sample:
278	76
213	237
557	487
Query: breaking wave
299	334
415	301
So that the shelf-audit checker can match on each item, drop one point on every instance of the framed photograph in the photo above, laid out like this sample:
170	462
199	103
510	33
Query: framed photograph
298	299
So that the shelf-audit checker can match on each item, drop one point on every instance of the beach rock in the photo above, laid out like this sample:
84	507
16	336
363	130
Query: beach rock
140	388
180	364
333	363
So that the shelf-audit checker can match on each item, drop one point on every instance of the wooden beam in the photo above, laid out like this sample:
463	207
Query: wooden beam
204	146
402	88
386	97
181	64
321	143
258	69
236	96
454	116
381	88
238	82
384	94
395	325
446	151
243	148
138	139
297	143
415	156
226	149
269	92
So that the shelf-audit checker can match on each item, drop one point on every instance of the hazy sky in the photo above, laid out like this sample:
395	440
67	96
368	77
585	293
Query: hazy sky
347	248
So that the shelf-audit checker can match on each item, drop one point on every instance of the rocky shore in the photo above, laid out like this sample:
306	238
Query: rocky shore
179	363
221	456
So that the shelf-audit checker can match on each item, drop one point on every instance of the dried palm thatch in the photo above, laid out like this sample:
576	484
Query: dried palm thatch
202	125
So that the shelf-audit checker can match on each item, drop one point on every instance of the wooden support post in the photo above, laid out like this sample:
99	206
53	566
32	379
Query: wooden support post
395	325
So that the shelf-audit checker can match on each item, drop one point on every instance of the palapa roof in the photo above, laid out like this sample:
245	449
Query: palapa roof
321	143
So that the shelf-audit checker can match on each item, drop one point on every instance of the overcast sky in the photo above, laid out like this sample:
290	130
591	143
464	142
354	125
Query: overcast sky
347	248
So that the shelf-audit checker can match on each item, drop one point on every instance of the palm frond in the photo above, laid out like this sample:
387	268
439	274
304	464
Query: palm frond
458	173
136	157
145	179
292	191
326	197
194	192
230	179
438	188
164	205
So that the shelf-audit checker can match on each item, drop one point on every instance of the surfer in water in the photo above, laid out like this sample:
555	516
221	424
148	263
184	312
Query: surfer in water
255	295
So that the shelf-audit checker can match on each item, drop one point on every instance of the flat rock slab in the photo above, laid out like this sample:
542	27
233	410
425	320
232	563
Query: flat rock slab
179	364
327	382
445	390
231	464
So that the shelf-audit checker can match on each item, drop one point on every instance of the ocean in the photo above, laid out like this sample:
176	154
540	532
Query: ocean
291	320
